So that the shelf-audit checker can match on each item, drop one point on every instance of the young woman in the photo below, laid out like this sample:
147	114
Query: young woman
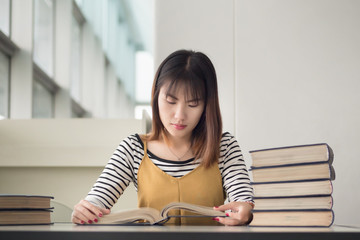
185	157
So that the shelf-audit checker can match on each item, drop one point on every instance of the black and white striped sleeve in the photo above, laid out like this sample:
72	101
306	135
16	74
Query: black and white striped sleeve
234	173
116	176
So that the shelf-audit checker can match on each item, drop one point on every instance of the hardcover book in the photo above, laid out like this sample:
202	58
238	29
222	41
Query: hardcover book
24	217
24	201
294	203
291	189
308	171
320	152
298	218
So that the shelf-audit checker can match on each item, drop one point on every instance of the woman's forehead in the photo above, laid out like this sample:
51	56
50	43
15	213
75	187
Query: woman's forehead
179	88
190	88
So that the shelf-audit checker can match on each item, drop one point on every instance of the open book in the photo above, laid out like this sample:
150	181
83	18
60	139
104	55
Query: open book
153	216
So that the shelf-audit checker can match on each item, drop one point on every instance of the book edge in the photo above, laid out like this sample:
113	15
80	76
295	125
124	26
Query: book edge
293	146
24	196
290	165
297	196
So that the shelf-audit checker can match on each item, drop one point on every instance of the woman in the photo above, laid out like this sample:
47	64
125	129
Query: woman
185	157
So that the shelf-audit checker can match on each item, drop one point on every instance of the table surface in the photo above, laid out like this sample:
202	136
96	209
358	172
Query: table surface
72	231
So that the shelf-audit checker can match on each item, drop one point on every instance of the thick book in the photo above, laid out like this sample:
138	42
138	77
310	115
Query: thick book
298	172
24	217
291	189
297	218
154	217
294	203
320	152
10	201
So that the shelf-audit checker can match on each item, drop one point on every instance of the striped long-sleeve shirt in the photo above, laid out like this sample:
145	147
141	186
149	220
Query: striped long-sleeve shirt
123	167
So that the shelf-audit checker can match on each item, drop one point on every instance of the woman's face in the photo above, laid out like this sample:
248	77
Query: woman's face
178	114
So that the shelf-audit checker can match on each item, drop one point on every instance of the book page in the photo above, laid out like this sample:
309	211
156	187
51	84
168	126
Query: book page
201	210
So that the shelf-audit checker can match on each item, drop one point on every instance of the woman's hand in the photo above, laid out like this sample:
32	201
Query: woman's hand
240	213
85	212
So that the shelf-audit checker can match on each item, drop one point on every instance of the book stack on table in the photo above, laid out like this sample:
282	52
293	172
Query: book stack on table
24	209
293	186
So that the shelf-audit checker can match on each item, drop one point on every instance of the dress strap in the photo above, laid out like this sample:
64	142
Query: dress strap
145	147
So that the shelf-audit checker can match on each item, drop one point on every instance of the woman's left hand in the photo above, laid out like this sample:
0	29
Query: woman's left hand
241	213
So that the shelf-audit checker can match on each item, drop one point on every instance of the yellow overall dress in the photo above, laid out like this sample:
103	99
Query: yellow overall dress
202	186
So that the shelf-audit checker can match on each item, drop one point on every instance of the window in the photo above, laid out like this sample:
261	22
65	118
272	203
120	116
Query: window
144	80
43	34
44	90
5	16
43	101
44	87
78	21
4	85
144	76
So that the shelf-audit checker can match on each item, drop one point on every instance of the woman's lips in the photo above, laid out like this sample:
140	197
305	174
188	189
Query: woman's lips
179	126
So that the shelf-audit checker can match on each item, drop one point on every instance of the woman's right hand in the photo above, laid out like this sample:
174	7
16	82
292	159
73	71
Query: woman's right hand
85	212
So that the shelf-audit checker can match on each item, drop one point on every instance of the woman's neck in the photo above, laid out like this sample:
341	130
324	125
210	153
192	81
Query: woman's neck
176	142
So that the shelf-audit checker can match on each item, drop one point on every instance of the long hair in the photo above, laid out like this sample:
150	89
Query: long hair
197	73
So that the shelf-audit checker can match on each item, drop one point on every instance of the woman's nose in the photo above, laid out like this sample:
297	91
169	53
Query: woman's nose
180	112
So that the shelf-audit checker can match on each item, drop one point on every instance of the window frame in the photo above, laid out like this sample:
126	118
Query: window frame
76	109
47	82
7	46
9	49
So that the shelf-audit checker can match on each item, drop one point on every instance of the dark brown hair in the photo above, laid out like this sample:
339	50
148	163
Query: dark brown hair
197	73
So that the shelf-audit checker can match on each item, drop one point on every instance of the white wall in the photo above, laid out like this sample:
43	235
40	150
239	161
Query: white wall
297	82
288	74
201	25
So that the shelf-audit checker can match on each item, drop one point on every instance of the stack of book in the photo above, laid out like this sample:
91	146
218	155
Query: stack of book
24	209
293	186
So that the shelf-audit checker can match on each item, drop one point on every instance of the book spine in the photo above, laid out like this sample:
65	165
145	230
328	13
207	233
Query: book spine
330	154
332	173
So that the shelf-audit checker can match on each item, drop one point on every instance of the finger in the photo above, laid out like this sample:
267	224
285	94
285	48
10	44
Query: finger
77	220
228	221
88	217
104	211
85	212
83	215
240	217
93	209
228	206
78	217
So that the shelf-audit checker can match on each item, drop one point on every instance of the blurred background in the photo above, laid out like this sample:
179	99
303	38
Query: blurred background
75	59
288	71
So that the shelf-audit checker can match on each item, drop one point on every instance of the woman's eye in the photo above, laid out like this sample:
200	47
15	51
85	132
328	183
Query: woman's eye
195	104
